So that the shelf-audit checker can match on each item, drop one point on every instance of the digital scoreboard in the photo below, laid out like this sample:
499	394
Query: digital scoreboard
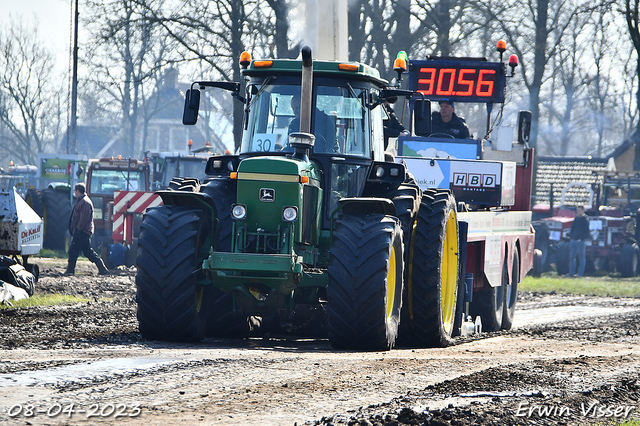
459	80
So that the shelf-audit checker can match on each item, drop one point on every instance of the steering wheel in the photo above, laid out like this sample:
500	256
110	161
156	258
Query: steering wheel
441	135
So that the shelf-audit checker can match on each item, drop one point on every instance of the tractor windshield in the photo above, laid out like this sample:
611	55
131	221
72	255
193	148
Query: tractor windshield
107	181
338	121
184	167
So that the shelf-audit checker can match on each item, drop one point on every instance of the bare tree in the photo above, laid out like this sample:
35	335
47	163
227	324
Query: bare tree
216	33
29	101
535	30
378	29
632	15
605	100
124	56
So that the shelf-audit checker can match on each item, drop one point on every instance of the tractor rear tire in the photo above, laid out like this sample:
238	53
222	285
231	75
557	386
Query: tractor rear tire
34	199
185	184
56	209
511	293
364	295
629	260
433	285
563	258
171	304
489	303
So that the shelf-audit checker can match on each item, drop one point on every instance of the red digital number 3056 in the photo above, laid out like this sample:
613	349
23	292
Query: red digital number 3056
457	82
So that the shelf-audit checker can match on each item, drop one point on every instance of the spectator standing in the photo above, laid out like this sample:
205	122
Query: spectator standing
580	234
81	228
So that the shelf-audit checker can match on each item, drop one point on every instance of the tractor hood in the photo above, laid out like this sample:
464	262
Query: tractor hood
276	168
269	185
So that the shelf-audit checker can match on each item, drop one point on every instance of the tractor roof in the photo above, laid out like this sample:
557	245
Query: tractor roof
334	69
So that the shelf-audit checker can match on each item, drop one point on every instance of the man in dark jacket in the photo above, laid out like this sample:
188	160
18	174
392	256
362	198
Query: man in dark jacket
81	229
446	121
580	234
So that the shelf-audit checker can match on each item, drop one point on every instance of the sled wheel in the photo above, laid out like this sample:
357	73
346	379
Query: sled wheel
433	271
489	302
364	294
511	293
171	304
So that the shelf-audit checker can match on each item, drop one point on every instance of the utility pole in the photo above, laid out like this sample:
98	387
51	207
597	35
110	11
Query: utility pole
72	144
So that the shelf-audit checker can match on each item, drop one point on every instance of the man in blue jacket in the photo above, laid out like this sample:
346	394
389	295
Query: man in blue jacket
446	121
81	229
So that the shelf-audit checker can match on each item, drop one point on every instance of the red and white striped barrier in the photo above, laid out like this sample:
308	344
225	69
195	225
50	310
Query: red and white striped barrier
125	205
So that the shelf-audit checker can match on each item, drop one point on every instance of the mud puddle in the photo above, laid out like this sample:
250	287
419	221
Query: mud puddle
85	372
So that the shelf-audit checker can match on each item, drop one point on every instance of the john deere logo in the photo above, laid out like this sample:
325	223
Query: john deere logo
267	195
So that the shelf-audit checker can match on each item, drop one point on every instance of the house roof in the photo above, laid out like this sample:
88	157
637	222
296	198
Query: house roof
558	172
90	140
632	140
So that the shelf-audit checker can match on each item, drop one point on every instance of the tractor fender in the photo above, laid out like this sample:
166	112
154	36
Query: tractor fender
198	200
361	205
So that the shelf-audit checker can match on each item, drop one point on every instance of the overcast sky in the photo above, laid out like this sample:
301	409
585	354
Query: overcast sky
53	17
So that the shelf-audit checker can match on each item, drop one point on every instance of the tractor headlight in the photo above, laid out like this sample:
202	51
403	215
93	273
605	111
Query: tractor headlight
239	211
290	214
379	172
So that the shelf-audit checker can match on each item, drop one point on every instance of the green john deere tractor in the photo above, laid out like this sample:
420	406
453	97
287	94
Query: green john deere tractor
309	226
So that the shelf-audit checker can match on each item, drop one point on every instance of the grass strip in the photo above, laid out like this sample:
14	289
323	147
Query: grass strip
605	286
40	299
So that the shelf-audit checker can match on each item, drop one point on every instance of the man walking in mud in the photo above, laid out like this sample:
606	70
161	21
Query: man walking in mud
81	229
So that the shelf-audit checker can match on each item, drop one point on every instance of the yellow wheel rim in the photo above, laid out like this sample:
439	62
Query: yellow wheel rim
391	283
449	270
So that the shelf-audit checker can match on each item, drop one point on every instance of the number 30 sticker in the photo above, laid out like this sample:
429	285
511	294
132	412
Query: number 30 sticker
263	142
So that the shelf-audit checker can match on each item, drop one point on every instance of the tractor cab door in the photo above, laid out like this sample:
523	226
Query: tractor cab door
351	142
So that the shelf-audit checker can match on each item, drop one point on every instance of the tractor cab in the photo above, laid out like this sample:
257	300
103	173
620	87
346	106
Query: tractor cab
345	120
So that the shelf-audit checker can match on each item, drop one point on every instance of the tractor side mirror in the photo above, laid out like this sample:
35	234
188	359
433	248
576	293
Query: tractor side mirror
524	127
422	117
191	107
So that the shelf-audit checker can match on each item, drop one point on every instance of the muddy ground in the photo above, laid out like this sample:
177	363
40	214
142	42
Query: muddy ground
87	364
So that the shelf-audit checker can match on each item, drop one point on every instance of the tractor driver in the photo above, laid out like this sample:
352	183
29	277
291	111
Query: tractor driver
446	121
324	128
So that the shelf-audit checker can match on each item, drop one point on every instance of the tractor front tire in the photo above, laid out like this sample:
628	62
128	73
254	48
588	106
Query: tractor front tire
563	258
629	260
433	284
171	304
224	319
364	294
